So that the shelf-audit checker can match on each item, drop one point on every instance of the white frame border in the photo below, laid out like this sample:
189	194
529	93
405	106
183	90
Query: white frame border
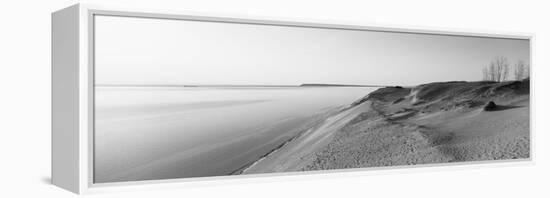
86	63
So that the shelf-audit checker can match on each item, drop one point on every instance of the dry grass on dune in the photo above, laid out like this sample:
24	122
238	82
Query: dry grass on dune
433	123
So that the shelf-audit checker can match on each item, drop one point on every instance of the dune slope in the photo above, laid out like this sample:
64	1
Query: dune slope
430	123
433	123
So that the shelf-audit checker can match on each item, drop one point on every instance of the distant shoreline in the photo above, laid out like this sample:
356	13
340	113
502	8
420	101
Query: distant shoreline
237	86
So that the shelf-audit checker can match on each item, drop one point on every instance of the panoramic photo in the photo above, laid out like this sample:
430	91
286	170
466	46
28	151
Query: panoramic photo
184	99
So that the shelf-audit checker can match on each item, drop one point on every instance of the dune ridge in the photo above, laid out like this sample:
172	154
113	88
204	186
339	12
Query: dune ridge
430	123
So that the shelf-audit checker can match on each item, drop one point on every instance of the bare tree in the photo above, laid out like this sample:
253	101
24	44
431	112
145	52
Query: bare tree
498	70
519	71
486	74
505	71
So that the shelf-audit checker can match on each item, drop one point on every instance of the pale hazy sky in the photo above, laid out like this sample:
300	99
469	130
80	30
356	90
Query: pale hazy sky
159	51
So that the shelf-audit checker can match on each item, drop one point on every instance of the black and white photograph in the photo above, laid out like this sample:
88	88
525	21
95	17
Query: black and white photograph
274	98
182	98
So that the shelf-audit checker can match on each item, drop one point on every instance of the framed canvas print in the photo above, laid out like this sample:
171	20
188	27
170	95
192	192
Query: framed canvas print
147	97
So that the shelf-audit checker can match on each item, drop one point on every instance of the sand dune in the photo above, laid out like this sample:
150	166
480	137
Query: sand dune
430	123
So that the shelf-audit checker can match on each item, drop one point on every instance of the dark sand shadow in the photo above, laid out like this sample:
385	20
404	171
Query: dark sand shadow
502	107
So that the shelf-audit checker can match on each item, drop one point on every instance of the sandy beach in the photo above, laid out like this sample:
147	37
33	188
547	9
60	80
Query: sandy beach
430	123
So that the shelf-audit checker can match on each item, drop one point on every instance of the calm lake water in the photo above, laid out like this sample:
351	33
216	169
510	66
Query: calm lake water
162	133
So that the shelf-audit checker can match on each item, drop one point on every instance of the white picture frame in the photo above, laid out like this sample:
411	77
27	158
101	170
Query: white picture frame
72	94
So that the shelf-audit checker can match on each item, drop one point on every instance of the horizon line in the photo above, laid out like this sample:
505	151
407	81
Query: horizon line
238	85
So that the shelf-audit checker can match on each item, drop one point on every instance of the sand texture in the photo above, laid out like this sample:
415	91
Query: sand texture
430	123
